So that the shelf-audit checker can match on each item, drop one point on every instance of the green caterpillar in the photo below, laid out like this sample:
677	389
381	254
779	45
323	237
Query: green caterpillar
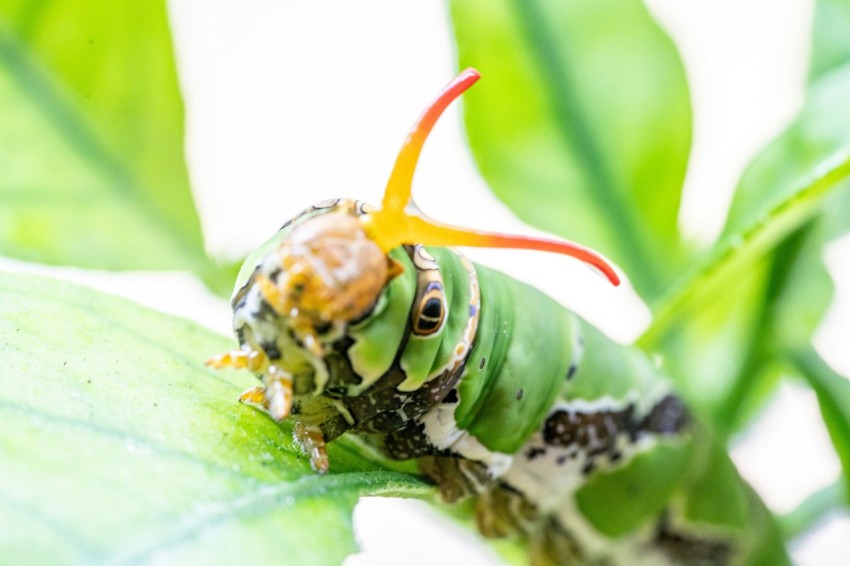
356	320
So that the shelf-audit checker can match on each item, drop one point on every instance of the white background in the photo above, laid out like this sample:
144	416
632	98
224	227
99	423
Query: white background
292	102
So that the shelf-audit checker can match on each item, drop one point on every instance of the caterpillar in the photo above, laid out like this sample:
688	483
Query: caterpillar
358	319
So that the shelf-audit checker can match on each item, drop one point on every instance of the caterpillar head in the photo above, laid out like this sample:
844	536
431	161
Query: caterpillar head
326	270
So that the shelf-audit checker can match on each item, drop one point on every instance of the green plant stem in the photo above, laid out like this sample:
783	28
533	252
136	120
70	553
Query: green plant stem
814	509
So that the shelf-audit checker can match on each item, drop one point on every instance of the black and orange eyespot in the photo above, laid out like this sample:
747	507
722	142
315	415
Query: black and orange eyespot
430	310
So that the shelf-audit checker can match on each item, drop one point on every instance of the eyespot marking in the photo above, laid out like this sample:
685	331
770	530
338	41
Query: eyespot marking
429	306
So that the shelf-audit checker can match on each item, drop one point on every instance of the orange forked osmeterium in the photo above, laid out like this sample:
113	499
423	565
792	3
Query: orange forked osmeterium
399	220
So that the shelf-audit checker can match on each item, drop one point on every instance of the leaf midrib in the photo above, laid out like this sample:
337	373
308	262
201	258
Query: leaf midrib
574	127
63	114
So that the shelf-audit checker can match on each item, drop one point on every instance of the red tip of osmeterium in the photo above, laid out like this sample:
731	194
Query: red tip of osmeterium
563	247
398	221
397	194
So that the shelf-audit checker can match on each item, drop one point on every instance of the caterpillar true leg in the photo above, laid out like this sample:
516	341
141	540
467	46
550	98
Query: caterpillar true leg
275	397
254	360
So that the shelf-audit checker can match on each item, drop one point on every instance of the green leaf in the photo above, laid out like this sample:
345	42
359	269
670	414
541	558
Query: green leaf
799	289
815	508
92	168
119	445
798	176
807	287
817	141
716	495
789	289
584	125
831	37
833	393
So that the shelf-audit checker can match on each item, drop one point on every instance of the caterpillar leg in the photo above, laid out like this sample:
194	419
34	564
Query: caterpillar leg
456	478
501	511
278	393
254	360
552	545
275	396
312	441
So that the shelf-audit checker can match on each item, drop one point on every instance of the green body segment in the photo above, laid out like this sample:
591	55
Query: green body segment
523	350
529	351
609	370
621	500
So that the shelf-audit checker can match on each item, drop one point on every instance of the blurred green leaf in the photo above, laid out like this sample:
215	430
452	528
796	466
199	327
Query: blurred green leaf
118	445
821	130
749	275
831	36
799	290
809	289
833	393
584	126
815	508
817	140
92	169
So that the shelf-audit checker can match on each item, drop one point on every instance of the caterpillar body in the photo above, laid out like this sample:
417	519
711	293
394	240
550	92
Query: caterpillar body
357	320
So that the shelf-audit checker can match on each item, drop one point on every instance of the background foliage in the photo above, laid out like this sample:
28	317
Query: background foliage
584	129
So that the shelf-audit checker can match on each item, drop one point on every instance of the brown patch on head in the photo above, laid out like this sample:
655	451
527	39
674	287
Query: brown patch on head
332	270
